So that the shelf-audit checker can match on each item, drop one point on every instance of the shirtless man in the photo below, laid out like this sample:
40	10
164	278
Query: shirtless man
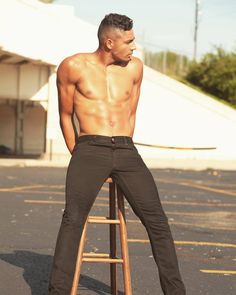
102	88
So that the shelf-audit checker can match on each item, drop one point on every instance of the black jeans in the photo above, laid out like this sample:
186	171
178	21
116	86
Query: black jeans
94	159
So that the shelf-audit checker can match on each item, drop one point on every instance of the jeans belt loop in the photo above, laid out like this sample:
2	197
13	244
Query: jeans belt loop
92	139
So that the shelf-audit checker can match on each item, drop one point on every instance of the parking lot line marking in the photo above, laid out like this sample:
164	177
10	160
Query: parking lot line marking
189	224
199	204
194	243
195	185
106	205
49	202
180	182
204	214
23	189
180	203
19	188
103	204
185	203
44	202
43	192
212	204
224	245
215	271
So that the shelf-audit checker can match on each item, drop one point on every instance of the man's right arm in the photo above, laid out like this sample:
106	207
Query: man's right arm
66	88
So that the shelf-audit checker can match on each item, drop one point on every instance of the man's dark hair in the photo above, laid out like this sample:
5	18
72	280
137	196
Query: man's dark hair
116	21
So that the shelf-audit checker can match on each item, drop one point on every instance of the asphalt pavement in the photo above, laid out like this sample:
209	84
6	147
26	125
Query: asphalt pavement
200	206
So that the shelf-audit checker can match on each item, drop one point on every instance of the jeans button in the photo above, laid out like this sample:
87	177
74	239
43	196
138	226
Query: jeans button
113	140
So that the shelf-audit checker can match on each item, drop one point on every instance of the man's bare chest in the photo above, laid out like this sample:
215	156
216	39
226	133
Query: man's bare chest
112	85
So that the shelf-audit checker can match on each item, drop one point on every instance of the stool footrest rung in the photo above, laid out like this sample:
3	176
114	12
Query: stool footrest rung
107	260
93	254
104	220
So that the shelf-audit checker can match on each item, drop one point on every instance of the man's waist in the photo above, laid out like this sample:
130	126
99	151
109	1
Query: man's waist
105	139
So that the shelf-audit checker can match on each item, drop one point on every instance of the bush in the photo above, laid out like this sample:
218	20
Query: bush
216	74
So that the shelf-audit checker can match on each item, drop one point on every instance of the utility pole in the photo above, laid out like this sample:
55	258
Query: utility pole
196	29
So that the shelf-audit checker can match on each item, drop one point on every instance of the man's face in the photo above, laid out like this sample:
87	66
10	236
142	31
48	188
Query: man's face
123	45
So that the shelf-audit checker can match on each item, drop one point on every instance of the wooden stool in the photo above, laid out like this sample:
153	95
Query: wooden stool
104	257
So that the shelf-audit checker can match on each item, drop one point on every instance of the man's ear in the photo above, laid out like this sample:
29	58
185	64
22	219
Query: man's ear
109	43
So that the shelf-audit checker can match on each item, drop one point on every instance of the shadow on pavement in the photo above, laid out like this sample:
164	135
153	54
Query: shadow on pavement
37	270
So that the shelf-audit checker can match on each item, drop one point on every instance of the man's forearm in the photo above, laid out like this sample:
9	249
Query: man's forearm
68	131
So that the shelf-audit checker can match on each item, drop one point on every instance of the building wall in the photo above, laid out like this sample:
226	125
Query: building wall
9	81
27	81
23	107
7	124
34	129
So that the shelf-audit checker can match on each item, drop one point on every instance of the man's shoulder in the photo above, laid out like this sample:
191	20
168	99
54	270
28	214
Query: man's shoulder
71	67
73	61
136	67
137	62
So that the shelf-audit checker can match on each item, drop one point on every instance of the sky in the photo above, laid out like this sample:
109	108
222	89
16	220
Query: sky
169	24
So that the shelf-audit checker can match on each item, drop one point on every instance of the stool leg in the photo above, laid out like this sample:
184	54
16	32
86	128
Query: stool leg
74	288
124	243
112	215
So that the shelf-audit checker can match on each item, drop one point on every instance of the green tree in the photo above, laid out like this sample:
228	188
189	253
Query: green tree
216	74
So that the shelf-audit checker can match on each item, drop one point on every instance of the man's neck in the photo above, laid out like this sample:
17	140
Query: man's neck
105	59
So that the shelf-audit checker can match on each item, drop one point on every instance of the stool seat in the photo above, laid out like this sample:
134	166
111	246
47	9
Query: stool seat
114	193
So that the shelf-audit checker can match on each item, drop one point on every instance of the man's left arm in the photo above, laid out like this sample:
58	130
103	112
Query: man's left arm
134	97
